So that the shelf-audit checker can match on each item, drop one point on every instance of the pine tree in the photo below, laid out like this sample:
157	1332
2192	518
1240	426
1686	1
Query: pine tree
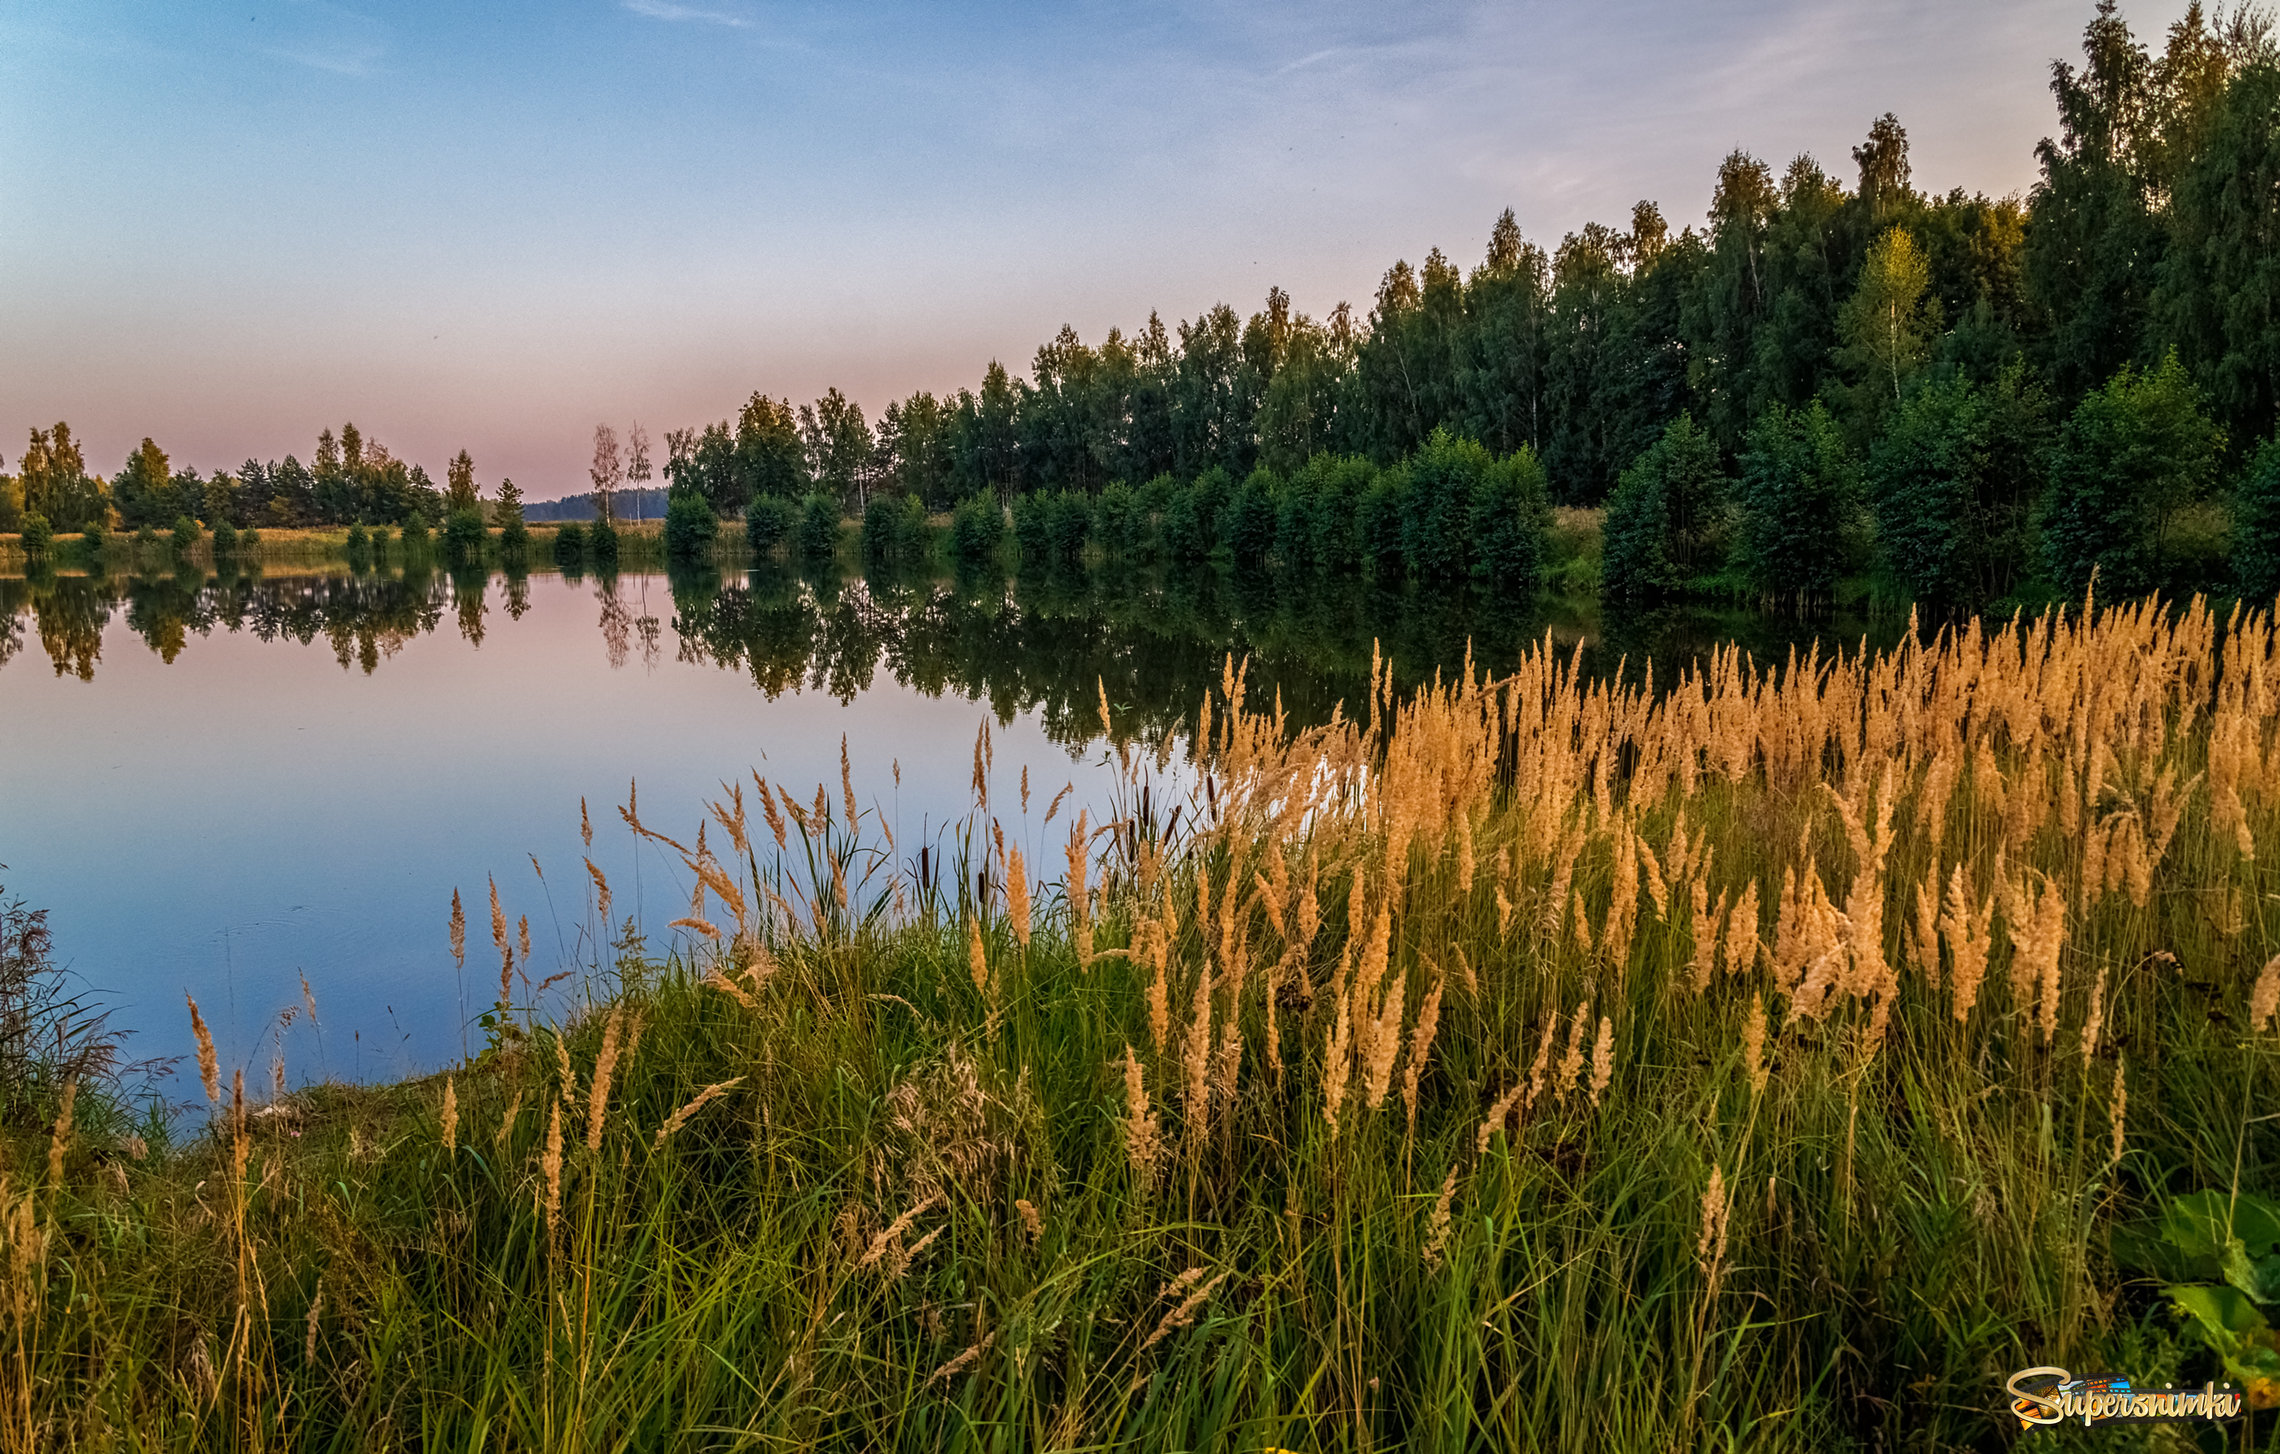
459	487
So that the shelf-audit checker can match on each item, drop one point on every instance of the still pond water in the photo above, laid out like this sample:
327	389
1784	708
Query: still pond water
226	786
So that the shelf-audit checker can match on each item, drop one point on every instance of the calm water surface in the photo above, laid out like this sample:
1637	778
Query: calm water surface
221	787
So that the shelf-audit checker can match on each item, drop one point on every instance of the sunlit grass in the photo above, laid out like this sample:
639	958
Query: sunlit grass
1535	1063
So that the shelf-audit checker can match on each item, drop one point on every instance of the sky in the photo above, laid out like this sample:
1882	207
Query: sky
493	226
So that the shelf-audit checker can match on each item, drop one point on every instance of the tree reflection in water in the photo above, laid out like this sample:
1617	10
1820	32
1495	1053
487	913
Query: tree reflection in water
1045	640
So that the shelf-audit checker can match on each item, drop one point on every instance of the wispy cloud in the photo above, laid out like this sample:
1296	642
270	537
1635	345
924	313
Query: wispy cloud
668	10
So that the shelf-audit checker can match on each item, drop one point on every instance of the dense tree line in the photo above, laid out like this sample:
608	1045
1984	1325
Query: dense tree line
1969	397
1824	377
352	480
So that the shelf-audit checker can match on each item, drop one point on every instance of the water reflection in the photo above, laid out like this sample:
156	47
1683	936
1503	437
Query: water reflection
1047	640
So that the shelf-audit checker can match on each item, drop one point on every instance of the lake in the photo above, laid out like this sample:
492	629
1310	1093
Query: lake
229	786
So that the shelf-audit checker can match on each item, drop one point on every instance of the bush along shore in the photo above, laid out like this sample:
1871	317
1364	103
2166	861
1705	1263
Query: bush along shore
1779	1058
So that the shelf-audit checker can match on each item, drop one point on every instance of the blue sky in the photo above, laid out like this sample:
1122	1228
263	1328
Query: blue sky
493	225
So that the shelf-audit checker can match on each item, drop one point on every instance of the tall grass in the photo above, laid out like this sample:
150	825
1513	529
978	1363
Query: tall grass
1752	1060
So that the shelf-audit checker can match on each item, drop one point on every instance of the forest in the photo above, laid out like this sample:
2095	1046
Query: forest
1952	398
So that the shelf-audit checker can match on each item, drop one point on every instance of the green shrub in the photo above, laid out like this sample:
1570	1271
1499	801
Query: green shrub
225	538
768	521
1296	528
1510	523
146	537
1191	516
249	538
894	529
977	526
1247	521
690	527
1068	524
2256	527
1115	519
819	527
1793	506
416	529
1340	482
38	535
1666	517
602	545
186	535
570	545
1954	480
1377	524
93	536
2129	457
1436	506
1150	504
1031	527
464	534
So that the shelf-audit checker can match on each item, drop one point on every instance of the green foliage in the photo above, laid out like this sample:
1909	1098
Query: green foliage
1954	480
225	538
1510	524
602	546
1247	520
819	527
1298	522
690	526
1794	504
2218	299
1068	525
186	535
514	531
768	523
1337	484
459	488
464	534
358	545
894	529
1888	323
2256	527
570	545
2220	1253
1190	528
38	536
1666	518
1438	486
1377	524
1117	521
1031	528
2092	251
977	526
143	490
2127	459
93	537
415	531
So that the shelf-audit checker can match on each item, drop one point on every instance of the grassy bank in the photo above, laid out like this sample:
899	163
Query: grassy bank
1763	1063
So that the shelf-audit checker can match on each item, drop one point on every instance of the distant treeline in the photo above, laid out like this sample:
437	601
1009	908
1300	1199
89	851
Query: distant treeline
624	505
1972	398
